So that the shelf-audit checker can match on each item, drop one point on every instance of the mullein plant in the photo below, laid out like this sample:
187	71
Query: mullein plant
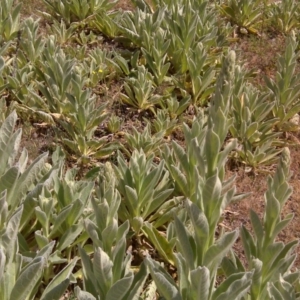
285	15
175	106
156	55
140	90
246	14
107	23
21	80
187	25
147	201
270	259
201	72
149	143
285	89
108	275
252	125
24	267
77	10
9	20
71	105
31	43
199	172
135	24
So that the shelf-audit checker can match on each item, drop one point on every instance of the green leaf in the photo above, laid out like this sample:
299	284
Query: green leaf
257	226
201	228
9	238
41	240
102	270
69	236
119	288
200	279
180	179
57	291
8	179
89	279
138	282
2	263
216	252
28	279
2	64
59	283
26	180
212	148
183	243
235	287
61	218
166	289
248	244
164	247
82	295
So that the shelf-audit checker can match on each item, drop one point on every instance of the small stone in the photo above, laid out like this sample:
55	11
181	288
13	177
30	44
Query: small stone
295	119
243	31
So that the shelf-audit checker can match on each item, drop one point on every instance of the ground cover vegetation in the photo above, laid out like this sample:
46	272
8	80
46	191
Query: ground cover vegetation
123	126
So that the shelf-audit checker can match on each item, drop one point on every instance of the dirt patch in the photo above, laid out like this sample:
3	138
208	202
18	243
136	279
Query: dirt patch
260	54
124	5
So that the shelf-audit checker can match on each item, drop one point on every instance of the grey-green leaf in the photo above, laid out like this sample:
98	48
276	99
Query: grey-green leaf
119	289
28	279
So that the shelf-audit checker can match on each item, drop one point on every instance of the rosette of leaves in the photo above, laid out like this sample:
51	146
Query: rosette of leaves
108	277
77	10
201	73
285	89
107	23
101	67
9	20
146	191
31	43
114	124
145	141
156	55
188	24
21	85
21	78
61	32
52	211
253	125
163	123
80	127
244	13
27	281
139	26
60	212
16	179
197	264
285	15
55	78
175	105
140	90
109	274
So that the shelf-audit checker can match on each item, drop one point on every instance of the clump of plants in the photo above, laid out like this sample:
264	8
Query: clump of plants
129	204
